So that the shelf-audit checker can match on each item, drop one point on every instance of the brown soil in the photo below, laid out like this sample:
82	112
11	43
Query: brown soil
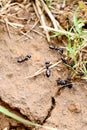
37	99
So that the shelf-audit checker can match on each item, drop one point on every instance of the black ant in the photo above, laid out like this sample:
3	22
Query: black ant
65	83
60	49
20	60
48	72
66	62
47	64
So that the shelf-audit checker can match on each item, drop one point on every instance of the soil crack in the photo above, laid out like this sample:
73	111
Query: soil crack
50	110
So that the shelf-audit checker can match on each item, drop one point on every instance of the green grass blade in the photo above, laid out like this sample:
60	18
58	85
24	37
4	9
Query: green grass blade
20	119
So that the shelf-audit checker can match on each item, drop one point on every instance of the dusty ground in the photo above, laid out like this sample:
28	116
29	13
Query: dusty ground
37	99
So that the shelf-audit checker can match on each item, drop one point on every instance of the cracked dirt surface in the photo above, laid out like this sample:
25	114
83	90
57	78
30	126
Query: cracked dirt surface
16	87
37	98
70	110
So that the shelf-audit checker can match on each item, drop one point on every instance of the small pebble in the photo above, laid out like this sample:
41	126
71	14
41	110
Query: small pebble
9	75
74	107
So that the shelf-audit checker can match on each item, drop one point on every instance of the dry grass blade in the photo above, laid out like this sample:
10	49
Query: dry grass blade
5	9
42	18
64	3
84	78
7	27
53	20
22	120
35	9
43	69
35	24
39	33
4	13
25	34
15	25
63	32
